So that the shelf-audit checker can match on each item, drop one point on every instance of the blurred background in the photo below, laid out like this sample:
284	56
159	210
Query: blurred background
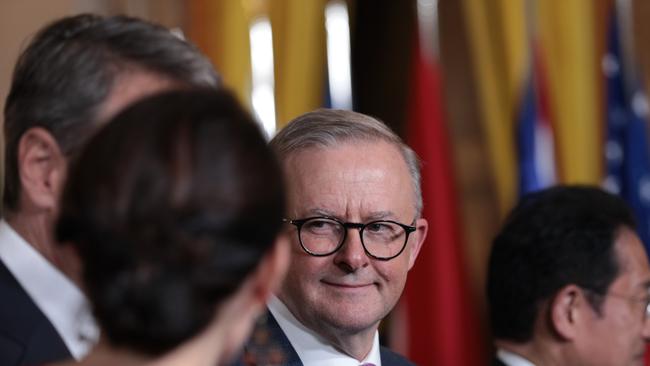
498	98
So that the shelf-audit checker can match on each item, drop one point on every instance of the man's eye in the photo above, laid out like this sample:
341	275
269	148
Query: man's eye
321	226
378	227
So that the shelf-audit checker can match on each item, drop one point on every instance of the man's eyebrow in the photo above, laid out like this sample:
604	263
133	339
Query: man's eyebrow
320	212
377	215
380	215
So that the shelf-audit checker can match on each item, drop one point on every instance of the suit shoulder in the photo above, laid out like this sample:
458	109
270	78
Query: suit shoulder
19	315
497	362
390	358
26	335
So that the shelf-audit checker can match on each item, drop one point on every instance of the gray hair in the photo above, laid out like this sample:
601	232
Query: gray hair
331	127
69	69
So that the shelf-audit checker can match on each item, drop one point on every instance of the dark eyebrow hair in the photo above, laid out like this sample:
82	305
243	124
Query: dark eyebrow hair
378	215
381	215
321	212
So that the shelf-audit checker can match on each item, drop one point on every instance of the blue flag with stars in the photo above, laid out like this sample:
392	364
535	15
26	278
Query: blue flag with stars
626	148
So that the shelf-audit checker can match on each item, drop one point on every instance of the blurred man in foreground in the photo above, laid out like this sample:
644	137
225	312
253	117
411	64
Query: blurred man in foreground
74	75
354	222
568	282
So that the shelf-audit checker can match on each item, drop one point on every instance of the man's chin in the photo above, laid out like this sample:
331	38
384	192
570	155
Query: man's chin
639	358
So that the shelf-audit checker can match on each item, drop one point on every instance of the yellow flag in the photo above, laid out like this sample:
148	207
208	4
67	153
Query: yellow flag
498	45
220	30
299	46
568	35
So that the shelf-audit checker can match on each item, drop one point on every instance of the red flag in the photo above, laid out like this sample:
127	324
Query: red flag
443	327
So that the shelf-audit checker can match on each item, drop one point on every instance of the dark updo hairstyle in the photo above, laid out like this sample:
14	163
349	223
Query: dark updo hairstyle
170	207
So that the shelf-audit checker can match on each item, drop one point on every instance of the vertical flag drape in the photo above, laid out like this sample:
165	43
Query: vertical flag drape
496	32
443	327
626	150
299	43
221	29
568	37
536	140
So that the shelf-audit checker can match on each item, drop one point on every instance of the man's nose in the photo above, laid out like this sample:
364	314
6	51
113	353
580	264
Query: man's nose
645	332
352	255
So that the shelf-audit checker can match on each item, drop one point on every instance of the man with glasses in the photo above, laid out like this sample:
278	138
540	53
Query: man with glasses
354	220
568	282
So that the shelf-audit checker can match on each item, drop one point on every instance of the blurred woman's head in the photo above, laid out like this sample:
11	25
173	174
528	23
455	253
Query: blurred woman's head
171	208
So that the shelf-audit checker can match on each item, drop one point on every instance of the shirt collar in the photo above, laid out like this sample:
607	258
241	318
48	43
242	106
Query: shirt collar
312	349
512	359
55	295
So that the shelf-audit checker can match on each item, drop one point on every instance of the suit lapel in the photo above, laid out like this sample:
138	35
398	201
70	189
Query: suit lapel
26	335
390	358
497	362
268	345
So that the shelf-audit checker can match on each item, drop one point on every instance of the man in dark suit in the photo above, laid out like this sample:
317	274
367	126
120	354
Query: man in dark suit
568	282
269	346
354	222
75	74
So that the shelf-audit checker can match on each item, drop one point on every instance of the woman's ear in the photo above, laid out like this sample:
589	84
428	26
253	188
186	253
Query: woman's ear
271	271
239	313
42	169
253	294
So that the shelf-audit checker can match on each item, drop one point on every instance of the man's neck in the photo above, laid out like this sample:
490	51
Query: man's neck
357	345
36	229
538	353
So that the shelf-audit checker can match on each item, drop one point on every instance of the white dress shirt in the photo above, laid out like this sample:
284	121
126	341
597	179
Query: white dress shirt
512	359
58	298
312	349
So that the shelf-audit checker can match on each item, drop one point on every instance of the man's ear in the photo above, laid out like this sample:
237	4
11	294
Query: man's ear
417	239
41	167
567	311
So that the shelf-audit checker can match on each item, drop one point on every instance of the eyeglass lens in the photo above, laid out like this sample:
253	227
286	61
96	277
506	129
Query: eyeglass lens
382	239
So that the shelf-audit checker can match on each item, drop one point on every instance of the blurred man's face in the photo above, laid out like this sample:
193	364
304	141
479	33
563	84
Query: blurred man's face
618	335
348	292
129	87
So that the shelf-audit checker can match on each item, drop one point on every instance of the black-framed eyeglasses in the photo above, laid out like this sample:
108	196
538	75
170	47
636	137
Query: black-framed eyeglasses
321	236
644	300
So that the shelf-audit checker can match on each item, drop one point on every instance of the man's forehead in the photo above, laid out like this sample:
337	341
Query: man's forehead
362	173
632	258
353	147
375	162
130	86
